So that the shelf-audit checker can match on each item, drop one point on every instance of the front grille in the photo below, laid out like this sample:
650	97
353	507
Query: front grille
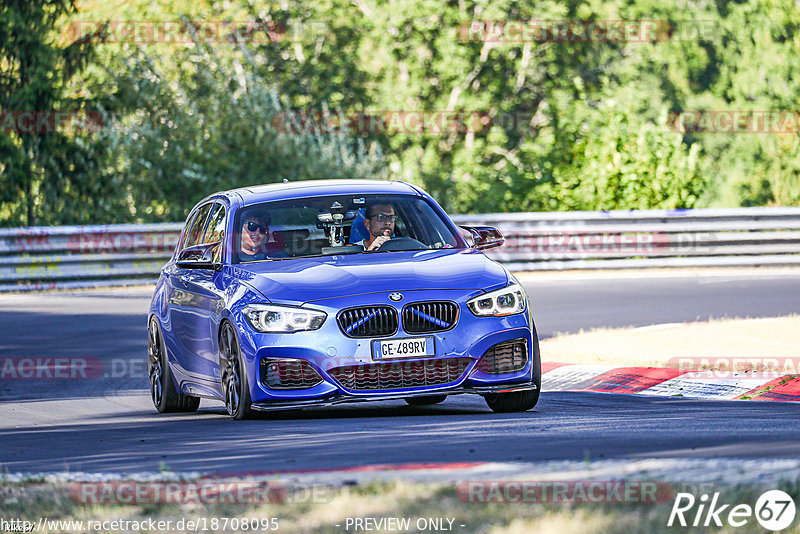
425	317
399	375
506	357
368	321
285	373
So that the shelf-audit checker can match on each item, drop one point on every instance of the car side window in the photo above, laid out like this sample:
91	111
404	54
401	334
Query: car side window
195	234
185	232
216	230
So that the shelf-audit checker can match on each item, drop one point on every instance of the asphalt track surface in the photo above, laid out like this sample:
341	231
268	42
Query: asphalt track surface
107	423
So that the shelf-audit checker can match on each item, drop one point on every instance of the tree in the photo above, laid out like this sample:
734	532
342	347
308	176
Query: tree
176	136
40	169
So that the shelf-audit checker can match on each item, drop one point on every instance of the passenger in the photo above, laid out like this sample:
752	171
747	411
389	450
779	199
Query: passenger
255	230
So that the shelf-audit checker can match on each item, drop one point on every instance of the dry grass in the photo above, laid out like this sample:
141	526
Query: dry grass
761	338
391	500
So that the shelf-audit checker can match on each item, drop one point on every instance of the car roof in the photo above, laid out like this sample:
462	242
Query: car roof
308	188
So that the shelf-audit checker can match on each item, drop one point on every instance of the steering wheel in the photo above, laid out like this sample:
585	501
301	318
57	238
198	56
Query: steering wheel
403	243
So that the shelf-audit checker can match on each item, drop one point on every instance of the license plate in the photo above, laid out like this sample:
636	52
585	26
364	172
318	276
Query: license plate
411	347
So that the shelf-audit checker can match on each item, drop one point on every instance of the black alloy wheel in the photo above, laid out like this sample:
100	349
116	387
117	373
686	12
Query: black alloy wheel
166	397
235	388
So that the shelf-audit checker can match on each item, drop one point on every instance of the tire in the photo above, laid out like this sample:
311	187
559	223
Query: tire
425	401
165	396
520	401
235	387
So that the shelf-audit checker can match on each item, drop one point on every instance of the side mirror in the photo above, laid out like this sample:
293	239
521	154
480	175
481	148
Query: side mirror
484	237
199	257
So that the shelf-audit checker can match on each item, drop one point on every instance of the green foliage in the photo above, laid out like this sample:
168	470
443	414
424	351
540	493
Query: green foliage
40	174
212	128
574	125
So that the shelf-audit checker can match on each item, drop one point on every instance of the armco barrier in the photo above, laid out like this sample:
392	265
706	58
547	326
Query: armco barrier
645	238
84	256
89	256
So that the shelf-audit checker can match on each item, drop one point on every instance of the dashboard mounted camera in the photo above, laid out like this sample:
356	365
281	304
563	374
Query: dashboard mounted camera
334	222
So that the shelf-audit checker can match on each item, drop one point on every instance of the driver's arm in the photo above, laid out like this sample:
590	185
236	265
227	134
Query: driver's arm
380	240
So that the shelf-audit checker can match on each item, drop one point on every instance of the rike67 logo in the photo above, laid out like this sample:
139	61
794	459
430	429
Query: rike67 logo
774	510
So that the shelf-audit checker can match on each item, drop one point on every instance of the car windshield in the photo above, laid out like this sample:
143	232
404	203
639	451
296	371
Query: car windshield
333	225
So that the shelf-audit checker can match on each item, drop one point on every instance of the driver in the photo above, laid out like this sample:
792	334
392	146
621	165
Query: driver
379	222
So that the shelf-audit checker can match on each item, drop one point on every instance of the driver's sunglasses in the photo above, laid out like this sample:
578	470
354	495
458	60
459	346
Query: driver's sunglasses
382	217
252	227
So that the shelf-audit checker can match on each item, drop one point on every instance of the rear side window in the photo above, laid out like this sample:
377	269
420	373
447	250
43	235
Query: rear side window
185	232
216	230
194	235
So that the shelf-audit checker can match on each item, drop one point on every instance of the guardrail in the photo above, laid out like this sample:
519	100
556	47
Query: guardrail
64	257
645	238
89	256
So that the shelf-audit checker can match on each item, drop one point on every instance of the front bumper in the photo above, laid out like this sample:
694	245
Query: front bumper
344	399
327	349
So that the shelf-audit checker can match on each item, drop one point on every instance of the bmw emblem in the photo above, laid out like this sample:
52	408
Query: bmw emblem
396	297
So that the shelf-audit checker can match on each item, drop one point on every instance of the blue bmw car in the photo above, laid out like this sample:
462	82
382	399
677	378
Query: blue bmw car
315	293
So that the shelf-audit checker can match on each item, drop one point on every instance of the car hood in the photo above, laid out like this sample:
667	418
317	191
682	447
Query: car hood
310	279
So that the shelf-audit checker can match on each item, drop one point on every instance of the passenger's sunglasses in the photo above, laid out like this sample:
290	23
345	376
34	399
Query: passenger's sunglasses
383	217
252	227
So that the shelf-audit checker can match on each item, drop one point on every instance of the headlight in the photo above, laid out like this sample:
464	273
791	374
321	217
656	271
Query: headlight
506	301
277	319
